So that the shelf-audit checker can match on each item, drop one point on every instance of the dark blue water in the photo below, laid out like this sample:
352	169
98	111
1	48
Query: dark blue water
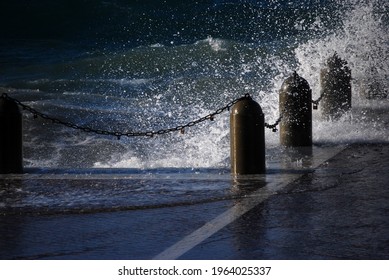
127	24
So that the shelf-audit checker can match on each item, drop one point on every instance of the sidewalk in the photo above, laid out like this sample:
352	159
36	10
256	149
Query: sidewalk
337	211
340	211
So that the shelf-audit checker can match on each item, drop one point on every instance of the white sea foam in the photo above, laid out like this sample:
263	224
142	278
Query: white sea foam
363	42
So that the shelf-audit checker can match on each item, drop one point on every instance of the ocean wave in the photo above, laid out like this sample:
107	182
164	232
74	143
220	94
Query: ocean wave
164	70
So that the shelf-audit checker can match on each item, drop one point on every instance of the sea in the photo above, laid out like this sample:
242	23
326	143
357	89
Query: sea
151	65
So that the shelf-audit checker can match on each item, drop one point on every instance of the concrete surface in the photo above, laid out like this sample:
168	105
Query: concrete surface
338	210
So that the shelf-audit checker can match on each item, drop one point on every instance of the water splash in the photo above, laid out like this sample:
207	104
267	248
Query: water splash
165	85
363	42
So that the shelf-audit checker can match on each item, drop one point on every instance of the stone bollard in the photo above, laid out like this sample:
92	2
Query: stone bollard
11	156
247	133
335	81
296	109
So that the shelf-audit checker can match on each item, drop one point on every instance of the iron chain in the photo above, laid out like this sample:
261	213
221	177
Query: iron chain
273	127
316	102
119	134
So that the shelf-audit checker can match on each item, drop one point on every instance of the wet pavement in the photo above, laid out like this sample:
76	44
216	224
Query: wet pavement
337	210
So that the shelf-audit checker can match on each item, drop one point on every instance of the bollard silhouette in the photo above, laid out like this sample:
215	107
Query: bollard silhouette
295	107
247	133
335	81
11	156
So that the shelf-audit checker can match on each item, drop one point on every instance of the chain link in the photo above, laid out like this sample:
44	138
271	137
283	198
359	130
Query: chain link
316	102
119	134
273	127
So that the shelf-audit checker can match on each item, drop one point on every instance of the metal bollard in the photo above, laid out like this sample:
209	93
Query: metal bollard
296	109
11	155
335	81
247	133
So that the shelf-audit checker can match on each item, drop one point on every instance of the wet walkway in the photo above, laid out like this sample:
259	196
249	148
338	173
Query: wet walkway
338	210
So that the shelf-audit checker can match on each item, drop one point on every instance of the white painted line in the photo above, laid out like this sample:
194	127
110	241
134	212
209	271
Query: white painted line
277	183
